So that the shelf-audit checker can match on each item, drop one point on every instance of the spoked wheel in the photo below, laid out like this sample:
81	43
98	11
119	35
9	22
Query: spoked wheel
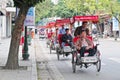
58	55
47	44
74	67
50	49
73	63
98	65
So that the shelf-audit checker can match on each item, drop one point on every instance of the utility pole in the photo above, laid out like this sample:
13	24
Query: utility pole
25	54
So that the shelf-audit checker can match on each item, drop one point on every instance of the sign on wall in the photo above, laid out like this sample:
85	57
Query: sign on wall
115	24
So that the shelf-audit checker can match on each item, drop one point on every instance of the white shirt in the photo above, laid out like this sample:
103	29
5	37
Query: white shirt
84	43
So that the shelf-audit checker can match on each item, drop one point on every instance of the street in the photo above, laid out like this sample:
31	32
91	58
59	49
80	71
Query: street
63	69
24	56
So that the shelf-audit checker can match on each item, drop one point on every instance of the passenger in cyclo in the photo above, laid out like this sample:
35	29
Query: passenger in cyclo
49	36
67	39
88	35
84	45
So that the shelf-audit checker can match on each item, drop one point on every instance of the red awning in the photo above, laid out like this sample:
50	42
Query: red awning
63	21
41	26
50	25
86	18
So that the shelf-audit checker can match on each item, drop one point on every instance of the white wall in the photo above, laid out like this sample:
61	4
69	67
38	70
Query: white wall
8	25
0	27
4	27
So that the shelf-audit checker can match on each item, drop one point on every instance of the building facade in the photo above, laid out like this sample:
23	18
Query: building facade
7	12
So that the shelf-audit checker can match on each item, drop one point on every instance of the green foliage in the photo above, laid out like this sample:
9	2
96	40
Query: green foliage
52	10
44	10
63	11
69	8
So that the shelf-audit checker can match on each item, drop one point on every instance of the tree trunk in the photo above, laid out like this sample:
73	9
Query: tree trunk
12	61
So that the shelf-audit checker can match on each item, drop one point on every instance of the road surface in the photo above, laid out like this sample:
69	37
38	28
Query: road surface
110	56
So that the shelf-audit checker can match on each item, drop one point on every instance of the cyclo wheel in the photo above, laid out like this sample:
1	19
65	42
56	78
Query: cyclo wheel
98	65
73	62
47	44
50	48
58	55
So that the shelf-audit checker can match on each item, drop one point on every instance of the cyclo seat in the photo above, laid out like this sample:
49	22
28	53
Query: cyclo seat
60	40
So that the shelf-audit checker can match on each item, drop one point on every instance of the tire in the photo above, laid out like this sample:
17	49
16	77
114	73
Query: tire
47	45
74	67
72	57
98	65
50	50
58	55
73	63
50	47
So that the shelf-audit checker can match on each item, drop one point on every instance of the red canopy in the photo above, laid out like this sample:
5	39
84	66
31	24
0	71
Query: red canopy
41	26
63	21
86	18
50	25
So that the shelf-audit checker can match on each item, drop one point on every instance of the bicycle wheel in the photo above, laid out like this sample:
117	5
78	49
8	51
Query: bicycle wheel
58	55
73	63
50	49
98	65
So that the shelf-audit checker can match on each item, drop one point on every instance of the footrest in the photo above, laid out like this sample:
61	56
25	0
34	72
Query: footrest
89	59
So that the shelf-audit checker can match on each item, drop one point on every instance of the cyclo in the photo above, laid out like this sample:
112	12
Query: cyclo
67	49
52	36
86	61
48	40
51	42
49	35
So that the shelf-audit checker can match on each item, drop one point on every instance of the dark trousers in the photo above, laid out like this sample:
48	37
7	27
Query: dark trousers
90	51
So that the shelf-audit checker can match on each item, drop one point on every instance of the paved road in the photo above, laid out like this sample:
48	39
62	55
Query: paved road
110	63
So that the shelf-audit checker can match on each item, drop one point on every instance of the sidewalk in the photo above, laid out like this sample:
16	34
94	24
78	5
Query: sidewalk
29	74
47	69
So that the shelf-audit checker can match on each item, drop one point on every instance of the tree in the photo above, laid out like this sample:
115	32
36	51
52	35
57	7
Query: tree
52	10
63	11
44	10
23	5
